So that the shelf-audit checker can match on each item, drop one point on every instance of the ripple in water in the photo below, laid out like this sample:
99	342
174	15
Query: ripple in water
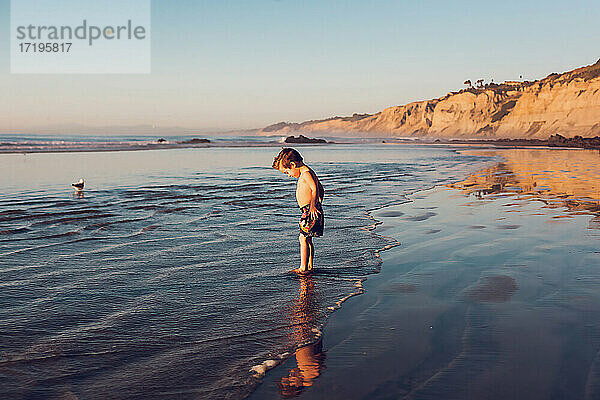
177	288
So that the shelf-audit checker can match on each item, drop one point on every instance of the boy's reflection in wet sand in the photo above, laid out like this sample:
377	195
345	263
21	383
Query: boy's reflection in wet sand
310	358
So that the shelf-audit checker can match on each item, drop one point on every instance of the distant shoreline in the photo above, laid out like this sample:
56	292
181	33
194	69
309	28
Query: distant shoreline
555	141
132	148
552	143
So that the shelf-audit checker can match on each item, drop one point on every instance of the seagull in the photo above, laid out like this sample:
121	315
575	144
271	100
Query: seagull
79	185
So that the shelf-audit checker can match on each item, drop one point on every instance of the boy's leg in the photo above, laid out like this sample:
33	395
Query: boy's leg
303	252
311	252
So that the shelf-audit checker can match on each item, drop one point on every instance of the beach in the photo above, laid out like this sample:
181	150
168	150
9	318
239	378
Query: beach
168	276
313	200
444	272
492	293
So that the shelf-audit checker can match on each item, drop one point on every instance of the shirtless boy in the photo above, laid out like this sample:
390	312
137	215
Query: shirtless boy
309	194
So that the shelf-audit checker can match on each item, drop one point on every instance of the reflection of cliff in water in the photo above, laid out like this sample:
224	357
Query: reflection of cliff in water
559	178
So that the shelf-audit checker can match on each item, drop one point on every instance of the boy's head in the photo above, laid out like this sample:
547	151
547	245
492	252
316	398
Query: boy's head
289	162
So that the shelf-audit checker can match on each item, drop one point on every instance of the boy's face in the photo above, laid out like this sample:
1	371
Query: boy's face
292	171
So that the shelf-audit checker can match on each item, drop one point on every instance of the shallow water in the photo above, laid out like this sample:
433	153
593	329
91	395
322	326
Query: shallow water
168	277
493	293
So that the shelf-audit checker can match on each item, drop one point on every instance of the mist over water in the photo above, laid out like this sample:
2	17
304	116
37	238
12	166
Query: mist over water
168	277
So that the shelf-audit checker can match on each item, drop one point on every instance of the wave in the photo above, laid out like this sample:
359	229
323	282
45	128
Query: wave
21	144
208	253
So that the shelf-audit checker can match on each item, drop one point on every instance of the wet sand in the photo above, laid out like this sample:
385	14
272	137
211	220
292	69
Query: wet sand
493	294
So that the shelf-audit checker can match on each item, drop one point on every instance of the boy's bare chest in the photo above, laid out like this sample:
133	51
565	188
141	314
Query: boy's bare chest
303	193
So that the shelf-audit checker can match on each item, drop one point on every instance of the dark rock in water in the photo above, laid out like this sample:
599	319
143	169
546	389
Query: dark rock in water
161	140
195	141
303	139
576	141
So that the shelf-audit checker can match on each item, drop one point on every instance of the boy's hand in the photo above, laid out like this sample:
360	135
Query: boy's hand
313	212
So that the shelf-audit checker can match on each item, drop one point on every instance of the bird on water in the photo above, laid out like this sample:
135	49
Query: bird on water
79	185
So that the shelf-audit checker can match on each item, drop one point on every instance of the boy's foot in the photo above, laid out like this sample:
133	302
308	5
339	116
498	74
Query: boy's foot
302	271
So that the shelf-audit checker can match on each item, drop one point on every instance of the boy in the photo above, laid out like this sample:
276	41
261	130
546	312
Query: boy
309	194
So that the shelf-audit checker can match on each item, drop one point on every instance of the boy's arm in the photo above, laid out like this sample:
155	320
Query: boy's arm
312	185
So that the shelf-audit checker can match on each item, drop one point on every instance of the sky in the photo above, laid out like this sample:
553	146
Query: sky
225	65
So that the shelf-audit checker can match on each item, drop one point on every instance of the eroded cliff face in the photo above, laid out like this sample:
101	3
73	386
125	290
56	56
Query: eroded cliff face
567	104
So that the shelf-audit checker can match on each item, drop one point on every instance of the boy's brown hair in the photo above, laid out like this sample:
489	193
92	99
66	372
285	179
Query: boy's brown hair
286	157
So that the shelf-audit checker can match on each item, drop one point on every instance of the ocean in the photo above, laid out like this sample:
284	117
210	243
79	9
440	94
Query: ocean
30	143
168	276
40	143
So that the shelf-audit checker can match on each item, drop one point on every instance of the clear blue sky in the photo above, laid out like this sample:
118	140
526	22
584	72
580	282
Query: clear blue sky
233	64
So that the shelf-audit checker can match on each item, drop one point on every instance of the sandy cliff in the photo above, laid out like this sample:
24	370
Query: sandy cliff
567	104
